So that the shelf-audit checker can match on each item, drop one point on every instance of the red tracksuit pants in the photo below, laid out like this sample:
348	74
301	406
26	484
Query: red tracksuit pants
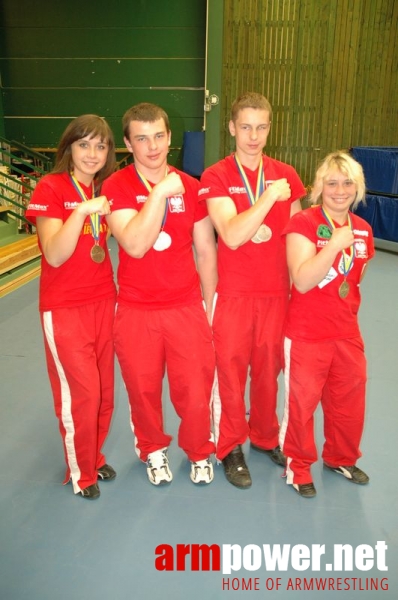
333	373
80	362
179	339
247	335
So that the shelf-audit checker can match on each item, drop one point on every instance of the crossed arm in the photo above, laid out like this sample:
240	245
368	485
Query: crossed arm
59	239
235	228
307	267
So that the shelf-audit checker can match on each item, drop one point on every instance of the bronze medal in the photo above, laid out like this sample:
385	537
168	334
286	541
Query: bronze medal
97	253
163	242
344	289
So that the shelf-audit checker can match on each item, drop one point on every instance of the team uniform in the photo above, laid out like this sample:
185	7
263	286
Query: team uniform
160	321
324	356
252	299
77	303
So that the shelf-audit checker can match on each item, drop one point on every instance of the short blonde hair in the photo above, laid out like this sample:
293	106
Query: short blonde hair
343	162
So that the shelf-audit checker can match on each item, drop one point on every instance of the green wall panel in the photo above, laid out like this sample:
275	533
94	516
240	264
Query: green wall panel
94	13
105	42
125	72
112	102
61	59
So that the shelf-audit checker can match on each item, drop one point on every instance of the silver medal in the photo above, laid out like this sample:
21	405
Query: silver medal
263	234
163	242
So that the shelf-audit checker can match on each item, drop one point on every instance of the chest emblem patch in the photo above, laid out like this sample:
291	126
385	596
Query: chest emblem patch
323	231
176	204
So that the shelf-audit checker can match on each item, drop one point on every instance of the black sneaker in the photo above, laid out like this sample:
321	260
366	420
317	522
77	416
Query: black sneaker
236	470
106	472
351	473
92	492
305	490
275	454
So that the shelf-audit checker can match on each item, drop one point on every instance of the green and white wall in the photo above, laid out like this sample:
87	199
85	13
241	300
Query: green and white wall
60	59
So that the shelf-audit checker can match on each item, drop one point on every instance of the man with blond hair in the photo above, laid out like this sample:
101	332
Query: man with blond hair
250	198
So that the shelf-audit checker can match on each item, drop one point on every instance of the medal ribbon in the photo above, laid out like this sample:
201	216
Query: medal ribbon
260	181
348	257
94	218
148	186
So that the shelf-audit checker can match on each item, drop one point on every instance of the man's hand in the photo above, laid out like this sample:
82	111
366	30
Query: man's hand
279	190
171	185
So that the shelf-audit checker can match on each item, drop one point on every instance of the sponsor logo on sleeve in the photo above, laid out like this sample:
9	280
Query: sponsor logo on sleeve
41	207
71	205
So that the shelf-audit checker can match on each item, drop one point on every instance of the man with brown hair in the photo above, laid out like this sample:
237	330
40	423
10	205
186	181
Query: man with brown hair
160	320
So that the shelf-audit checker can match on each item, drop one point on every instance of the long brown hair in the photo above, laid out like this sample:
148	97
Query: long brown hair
80	127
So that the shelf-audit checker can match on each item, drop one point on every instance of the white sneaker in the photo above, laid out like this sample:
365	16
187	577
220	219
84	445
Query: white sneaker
157	467
202	471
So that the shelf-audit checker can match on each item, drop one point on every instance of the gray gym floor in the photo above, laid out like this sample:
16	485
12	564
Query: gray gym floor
55	545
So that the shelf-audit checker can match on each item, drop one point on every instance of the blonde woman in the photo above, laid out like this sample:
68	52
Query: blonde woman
328	248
